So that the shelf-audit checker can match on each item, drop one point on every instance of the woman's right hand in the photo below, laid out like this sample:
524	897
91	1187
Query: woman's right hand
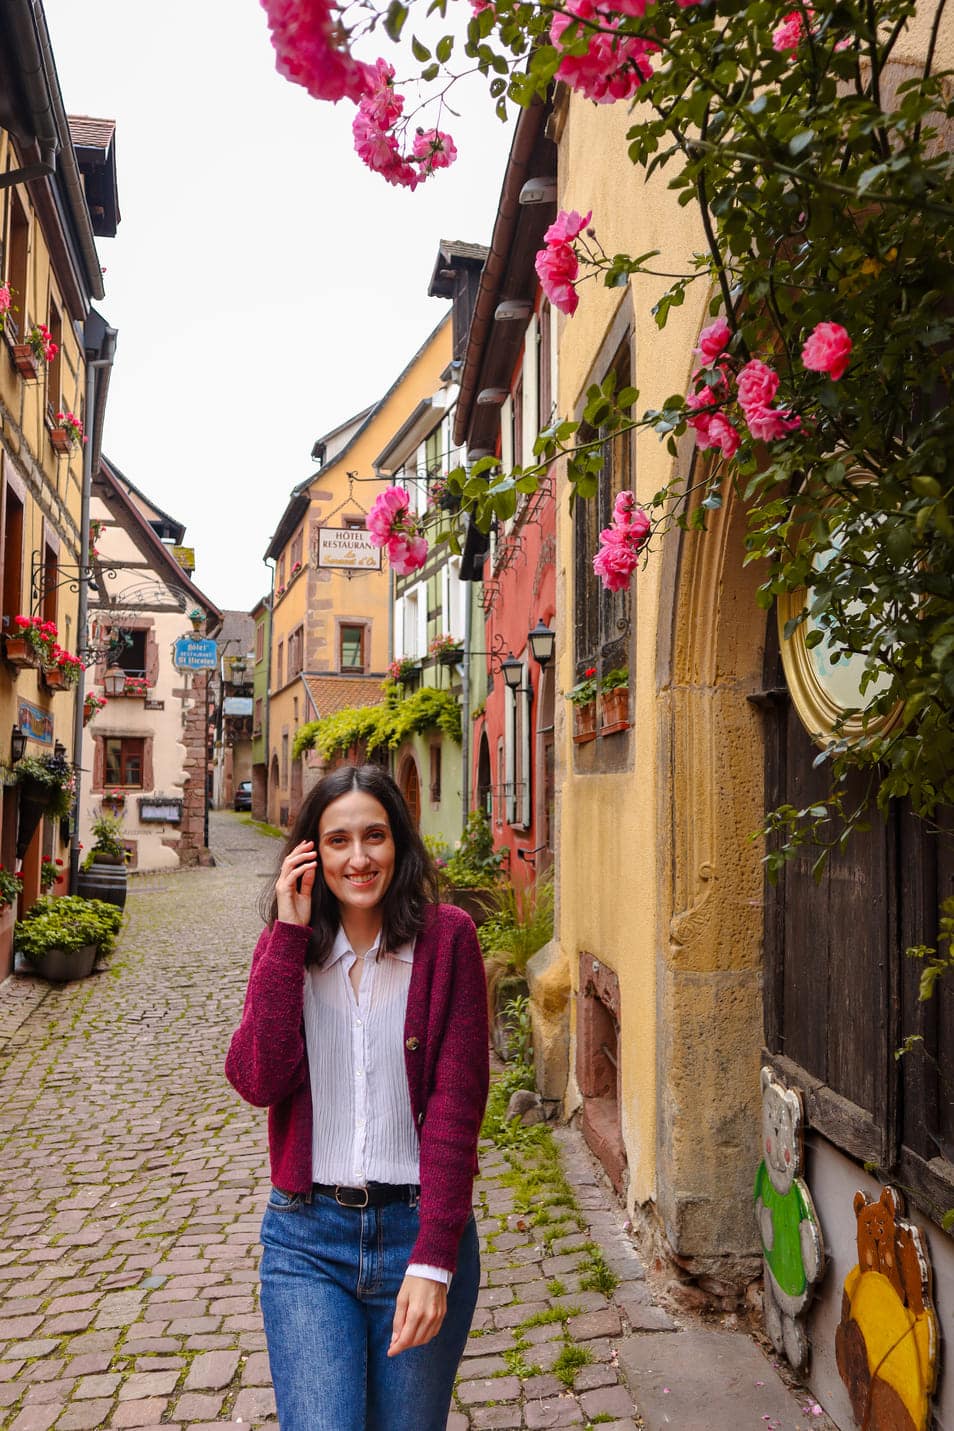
295	882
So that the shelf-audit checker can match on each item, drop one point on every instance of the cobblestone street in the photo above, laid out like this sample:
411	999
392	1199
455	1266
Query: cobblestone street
133	1181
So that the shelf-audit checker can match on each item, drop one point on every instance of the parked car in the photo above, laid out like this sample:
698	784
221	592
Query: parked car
243	796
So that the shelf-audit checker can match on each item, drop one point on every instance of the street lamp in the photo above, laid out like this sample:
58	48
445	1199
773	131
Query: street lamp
114	681
512	672
18	744
542	642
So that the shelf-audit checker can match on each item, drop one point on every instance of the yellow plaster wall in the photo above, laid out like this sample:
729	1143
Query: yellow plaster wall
611	841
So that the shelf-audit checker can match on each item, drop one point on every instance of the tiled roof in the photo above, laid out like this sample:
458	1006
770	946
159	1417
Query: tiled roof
339	693
456	248
89	133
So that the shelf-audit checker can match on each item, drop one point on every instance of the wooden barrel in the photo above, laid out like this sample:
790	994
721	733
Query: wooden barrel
107	882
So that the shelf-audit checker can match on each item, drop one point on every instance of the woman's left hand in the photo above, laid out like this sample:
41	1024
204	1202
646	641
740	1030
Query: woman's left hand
419	1314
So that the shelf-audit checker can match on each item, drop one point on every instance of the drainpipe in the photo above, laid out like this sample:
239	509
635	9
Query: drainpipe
107	349
465	706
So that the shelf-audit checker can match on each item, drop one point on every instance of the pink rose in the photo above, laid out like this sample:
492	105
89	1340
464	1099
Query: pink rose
790	33
567	226
827	350
407	553
612	66
435	149
768	424
713	340
390	507
715	430
614	565
557	267
757	384
311	49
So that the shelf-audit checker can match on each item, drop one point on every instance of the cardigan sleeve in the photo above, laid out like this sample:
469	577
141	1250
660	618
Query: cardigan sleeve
456	1103
266	1060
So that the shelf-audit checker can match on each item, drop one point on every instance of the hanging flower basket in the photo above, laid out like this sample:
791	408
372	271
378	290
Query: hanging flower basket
584	723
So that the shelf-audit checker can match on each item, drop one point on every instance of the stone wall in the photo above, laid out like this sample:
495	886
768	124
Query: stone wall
195	725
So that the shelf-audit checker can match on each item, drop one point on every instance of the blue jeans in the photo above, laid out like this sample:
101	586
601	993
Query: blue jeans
330	1279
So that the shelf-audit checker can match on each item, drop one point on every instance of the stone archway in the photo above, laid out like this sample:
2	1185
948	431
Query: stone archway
709	663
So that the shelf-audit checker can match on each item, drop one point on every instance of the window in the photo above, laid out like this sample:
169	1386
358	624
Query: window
285	761
351	642
18	249
129	651
12	556
123	761
54	370
260	642
280	575
501	783
517	753
354	524
294	555
433	454
602	618
545	383
280	664
435	774
516	431
296	643
259	708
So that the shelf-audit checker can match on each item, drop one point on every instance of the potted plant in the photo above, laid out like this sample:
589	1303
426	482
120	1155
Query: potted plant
103	872
62	673
11	887
136	686
113	802
406	671
31	641
61	938
50	872
472	874
582	697
614	701
447	649
47	787
38	348
520	925
92	705
67	432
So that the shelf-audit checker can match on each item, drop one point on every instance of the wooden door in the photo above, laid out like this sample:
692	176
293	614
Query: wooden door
410	783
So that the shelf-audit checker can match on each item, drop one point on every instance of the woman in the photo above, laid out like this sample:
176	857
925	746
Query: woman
364	1033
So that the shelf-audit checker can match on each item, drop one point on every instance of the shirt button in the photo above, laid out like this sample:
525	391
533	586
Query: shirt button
413	1044
359	1073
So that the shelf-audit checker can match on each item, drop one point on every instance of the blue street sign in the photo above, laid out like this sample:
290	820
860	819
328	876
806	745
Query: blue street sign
195	655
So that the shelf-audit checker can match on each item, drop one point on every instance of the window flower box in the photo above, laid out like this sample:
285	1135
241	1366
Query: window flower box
584	723
614	710
26	362
19	652
54	679
60	440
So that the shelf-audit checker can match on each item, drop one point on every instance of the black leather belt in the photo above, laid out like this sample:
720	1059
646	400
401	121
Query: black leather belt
374	1195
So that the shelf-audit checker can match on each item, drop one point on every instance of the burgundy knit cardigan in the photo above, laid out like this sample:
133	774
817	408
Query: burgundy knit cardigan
446	1055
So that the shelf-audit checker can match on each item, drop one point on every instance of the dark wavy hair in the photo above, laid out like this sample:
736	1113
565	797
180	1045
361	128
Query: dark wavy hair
414	883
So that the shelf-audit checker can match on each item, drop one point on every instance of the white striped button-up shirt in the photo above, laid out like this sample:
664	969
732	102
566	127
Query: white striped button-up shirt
362	1124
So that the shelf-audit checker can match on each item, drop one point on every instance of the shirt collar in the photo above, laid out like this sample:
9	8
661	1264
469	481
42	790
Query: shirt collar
342	946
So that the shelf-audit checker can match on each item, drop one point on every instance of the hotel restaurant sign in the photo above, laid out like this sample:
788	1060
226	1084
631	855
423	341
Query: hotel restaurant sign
347	549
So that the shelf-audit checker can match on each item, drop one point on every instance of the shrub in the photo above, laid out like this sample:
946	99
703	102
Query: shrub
522	924
70	924
475	863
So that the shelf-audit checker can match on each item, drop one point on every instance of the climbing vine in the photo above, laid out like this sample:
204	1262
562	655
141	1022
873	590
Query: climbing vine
384	726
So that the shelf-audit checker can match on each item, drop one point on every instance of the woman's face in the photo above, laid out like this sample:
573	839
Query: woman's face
356	849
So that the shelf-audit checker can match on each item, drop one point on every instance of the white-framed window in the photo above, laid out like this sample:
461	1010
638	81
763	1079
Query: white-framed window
531	380
517	753
452	598
410	622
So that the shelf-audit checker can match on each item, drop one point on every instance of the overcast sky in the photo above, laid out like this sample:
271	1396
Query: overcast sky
265	285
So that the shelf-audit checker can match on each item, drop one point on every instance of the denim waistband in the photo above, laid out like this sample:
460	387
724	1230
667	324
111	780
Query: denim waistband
373	1195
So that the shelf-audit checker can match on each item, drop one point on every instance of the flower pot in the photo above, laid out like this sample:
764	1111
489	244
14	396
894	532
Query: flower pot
26	362
104	881
61	441
584	723
614	710
61	965
479	902
451	657
19	652
54	679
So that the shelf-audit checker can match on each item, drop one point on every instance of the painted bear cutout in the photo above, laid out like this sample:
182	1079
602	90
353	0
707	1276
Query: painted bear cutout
792	1249
886	1344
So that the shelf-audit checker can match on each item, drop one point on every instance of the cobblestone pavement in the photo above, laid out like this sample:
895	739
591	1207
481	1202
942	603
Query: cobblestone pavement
132	1182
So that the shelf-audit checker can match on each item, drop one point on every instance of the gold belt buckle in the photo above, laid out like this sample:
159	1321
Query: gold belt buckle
351	1204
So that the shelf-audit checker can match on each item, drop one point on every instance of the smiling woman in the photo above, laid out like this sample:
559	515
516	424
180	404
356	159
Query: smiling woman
365	1034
